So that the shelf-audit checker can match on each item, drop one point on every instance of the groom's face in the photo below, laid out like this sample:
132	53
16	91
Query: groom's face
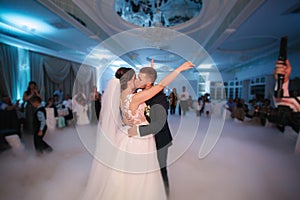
142	81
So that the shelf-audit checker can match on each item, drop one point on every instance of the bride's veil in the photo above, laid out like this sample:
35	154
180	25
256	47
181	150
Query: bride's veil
106	142
109	124
110	118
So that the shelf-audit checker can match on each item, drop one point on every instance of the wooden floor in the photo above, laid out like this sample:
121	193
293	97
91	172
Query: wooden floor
248	162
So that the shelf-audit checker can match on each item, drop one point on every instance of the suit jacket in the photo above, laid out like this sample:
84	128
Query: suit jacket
158	121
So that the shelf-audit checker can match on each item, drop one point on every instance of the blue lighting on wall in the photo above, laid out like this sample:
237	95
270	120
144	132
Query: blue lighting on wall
23	72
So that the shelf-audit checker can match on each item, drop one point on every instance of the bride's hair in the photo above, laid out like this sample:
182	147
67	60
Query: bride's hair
125	74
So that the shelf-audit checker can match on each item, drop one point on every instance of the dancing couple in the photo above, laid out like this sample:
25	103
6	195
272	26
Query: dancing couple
130	150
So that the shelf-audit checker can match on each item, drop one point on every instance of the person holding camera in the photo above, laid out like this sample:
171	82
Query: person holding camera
284	68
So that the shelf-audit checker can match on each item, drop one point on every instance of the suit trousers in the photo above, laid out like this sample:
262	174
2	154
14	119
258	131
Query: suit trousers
162	156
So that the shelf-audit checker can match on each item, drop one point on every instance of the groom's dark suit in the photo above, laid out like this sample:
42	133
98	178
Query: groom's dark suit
159	126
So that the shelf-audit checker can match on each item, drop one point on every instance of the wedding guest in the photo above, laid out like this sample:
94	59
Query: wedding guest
190	102
95	98
67	104
8	105
173	98
31	92
206	105
230	105
50	104
198	108
56	100
184	100
60	95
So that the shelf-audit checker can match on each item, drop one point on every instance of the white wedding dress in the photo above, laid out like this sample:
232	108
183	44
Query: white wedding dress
127	168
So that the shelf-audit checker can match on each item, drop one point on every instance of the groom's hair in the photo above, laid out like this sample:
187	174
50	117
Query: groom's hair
151	73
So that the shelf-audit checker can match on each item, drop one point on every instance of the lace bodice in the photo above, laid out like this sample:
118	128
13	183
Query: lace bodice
139	117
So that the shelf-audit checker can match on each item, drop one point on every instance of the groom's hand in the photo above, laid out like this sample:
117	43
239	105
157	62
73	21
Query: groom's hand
132	131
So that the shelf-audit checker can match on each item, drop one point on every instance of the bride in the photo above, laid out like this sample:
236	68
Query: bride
126	168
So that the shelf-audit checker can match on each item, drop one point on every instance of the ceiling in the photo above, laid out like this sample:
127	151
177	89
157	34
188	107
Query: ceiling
234	33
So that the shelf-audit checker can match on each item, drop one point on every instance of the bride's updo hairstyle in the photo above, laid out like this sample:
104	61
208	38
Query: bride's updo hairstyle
125	74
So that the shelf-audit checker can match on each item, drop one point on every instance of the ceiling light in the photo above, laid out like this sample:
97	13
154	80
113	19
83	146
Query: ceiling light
11	29
26	23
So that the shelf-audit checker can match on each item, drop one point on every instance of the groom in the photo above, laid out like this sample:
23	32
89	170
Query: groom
158	121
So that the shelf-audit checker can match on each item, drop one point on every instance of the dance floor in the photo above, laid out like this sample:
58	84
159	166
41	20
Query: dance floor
248	162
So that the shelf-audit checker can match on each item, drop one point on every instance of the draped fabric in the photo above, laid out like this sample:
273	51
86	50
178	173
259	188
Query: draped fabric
51	86
85	79
3	86
9	71
56	69
48	72
36	71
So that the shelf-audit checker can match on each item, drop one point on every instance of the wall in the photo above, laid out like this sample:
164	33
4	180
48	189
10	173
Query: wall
266	67
263	68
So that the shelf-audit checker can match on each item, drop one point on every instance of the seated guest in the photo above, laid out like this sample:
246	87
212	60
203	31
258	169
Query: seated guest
56	100
230	105
50	104
240	110
264	111
60	119
67	104
60	95
9	122
252	108
8	105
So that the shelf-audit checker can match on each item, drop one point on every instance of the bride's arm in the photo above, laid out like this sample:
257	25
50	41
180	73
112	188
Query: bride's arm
144	95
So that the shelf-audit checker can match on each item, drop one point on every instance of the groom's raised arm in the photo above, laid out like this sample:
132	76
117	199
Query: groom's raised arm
158	118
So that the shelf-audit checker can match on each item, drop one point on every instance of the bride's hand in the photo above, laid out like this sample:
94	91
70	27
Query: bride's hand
185	66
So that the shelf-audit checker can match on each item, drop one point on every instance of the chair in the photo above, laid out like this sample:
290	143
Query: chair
50	121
